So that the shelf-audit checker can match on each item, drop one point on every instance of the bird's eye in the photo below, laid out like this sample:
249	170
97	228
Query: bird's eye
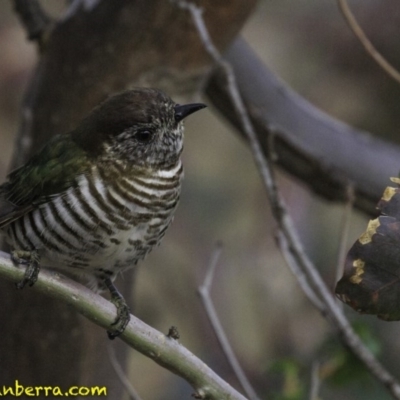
143	136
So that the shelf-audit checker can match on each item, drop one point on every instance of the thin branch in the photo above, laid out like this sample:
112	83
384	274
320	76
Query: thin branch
36	22
285	223
368	46
301	277
315	381
132	393
282	242
204	292
342	249
164	351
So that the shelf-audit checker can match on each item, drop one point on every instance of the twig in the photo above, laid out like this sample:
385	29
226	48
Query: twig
342	249
133	395
285	223
368	46
33	18
282	242
299	273
315	381
204	292
164	351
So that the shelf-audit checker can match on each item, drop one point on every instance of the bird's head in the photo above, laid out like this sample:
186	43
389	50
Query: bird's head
142	127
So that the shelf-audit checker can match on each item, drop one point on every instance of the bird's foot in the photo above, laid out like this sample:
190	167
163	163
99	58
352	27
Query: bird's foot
31	260
123	312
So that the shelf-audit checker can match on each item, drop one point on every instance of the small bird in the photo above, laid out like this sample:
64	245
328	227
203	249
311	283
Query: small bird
96	200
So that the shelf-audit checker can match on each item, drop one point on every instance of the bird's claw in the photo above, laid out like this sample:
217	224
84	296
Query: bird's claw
123	312
31	260
122	320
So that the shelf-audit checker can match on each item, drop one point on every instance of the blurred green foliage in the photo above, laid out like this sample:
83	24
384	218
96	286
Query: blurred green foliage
293	385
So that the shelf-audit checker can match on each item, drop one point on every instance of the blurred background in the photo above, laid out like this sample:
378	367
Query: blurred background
275	332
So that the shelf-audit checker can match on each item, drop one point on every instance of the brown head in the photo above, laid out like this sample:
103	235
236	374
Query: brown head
142	127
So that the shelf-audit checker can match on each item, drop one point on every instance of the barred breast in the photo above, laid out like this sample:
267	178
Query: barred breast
108	222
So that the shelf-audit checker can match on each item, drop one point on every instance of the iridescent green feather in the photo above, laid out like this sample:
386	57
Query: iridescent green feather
48	173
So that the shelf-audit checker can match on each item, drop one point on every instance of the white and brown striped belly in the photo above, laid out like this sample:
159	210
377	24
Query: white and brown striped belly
101	226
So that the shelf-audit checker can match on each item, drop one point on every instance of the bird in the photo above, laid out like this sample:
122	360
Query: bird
95	201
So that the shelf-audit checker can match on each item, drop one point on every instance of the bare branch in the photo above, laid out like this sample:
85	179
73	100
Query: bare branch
315	381
148	341
368	46
204	292
208	279
304	133
281	239
36	22
342	249
133	395
301	277
285	223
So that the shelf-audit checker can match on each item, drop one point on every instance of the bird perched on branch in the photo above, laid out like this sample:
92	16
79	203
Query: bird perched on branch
96	200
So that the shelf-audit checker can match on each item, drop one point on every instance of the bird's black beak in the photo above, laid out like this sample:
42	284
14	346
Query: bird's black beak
182	112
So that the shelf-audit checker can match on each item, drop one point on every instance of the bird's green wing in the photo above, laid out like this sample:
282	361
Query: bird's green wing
50	172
